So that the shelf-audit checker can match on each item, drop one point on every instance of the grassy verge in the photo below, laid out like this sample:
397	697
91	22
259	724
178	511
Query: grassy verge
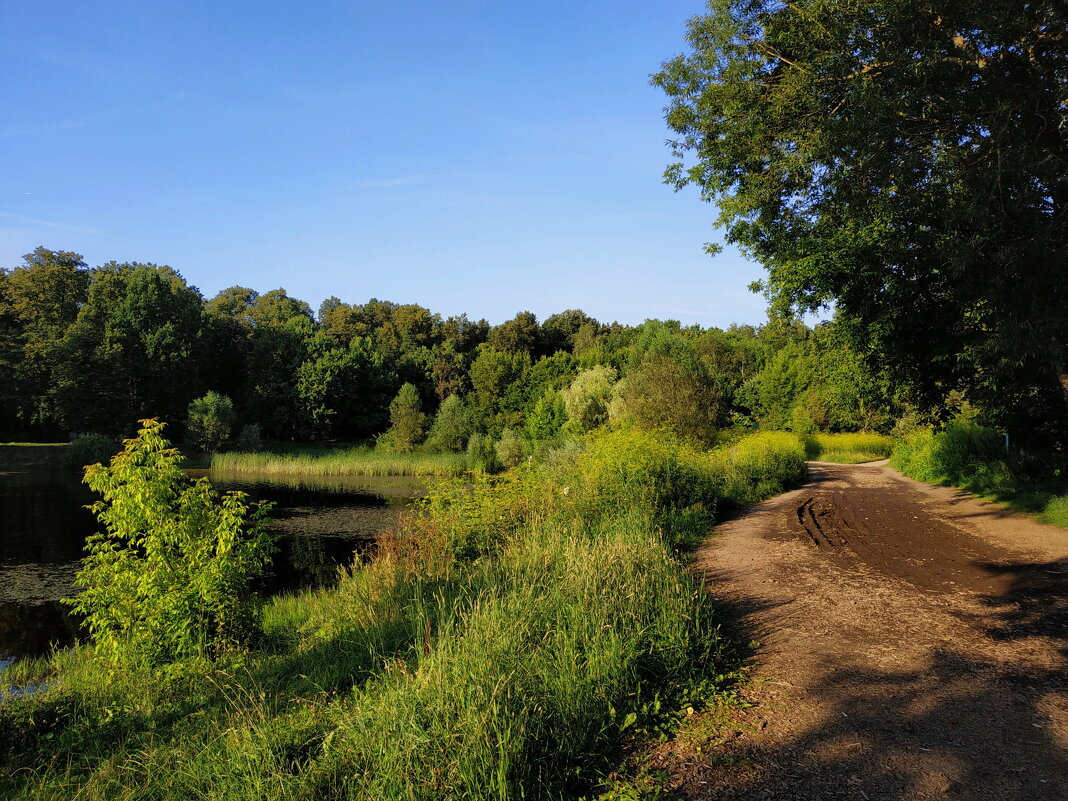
848	448
22	455
974	458
509	641
353	461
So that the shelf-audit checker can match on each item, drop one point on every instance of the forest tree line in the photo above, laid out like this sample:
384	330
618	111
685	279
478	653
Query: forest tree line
94	350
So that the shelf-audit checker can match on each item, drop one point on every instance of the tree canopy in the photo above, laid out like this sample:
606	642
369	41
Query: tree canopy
907	163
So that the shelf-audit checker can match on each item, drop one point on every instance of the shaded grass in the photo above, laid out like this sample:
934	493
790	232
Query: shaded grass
848	448
34	454
508	641
352	461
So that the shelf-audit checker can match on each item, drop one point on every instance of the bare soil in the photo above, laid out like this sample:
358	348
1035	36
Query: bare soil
912	645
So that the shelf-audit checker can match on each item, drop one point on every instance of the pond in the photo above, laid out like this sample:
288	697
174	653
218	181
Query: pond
322	523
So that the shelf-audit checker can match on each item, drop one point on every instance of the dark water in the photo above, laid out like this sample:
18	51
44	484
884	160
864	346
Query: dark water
321	523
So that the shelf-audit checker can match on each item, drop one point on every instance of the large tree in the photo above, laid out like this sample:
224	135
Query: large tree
906	162
133	352
39	301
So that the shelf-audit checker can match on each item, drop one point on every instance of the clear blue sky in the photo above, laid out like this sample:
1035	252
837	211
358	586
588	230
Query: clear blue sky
479	157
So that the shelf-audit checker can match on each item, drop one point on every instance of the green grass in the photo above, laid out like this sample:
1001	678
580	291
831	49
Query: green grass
350	461
974	458
507	642
33	454
848	448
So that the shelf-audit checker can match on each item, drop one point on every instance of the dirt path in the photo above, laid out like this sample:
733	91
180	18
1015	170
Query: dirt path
913	645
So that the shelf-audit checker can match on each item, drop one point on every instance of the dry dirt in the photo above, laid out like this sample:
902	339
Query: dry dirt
912	645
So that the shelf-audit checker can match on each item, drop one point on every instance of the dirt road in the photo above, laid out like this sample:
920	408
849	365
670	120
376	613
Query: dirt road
913	645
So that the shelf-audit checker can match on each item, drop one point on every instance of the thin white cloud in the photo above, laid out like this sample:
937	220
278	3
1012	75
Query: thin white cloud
27	225
36	130
388	183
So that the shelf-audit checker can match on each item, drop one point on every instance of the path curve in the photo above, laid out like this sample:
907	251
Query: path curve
913	645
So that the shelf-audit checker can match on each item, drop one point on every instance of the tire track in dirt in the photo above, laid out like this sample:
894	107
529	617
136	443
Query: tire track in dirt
913	645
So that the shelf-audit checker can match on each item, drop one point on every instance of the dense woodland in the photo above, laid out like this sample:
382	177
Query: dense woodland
94	350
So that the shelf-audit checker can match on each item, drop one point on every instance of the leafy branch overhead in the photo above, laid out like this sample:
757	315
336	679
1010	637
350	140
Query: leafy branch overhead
908	165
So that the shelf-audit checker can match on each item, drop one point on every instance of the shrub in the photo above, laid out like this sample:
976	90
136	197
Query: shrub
210	421
481	452
586	400
250	440
89	448
168	577
407	419
1056	512
963	454
451	428
509	448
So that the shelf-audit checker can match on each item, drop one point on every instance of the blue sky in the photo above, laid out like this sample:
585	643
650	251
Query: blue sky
479	157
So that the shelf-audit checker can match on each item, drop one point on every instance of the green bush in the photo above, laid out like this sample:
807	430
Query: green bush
89	448
963	454
168	577
250	439
211	420
406	420
509	448
451	427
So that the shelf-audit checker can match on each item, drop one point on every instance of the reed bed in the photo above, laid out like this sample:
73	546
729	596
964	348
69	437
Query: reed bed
346	462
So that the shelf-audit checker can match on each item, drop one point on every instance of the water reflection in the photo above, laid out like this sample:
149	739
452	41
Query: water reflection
322	523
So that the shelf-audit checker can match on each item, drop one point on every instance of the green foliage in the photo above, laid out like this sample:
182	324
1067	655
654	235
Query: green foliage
587	398
759	466
451	427
210	421
970	456
406	418
666	391
648	470
1056	512
167	579
497	397
881	156
482	451
132	351
510	641
88	448
249	439
848	448
343	390
521	333
509	448
963	454
38	303
547	418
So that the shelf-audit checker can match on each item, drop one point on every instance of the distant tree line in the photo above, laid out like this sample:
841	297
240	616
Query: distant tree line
97	349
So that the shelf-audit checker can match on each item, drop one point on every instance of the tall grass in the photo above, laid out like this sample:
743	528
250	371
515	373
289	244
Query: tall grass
345	462
505	643
758	466
970	456
848	448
